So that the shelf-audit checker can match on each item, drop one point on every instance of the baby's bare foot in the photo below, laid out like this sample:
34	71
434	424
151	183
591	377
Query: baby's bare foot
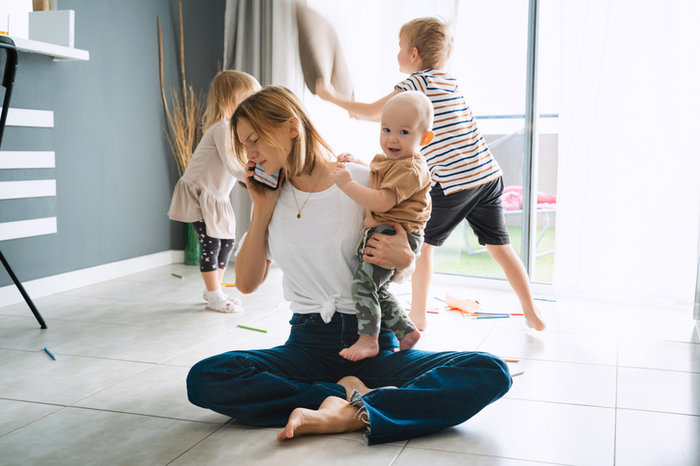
410	340
366	346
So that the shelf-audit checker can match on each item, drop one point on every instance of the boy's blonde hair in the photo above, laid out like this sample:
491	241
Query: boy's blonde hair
431	37
267	110
225	93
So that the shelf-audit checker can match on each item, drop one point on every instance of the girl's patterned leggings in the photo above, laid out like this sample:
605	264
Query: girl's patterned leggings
215	251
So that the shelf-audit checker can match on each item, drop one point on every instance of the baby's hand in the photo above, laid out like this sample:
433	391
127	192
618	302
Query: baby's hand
345	157
340	175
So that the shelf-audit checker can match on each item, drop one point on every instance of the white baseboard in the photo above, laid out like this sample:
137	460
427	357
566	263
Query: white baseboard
89	276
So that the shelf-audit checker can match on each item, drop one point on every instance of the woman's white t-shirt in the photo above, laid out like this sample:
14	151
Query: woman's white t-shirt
316	252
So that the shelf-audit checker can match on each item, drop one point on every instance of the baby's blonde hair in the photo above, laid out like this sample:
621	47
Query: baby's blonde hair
226	91
267	110
431	37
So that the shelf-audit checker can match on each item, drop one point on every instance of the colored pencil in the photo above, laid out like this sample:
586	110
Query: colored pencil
50	353
228	284
252	328
545	299
490	317
512	360
177	276
432	312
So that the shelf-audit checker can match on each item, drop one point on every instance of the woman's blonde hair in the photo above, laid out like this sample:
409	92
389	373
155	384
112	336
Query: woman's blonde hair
225	93
267	110
431	37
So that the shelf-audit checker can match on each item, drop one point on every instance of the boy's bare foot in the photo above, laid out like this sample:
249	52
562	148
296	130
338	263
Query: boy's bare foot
334	416
352	383
367	346
409	340
533	319
418	319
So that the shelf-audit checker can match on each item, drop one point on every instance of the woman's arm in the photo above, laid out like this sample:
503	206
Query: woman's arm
251	264
361	111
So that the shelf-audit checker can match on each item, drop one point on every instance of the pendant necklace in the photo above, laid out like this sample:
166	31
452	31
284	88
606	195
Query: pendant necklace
299	209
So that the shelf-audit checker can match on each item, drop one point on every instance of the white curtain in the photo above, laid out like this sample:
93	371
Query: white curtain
628	213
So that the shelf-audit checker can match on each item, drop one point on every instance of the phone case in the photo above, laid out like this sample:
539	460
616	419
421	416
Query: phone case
268	181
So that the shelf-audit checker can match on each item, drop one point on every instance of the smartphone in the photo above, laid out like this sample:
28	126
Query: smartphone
268	181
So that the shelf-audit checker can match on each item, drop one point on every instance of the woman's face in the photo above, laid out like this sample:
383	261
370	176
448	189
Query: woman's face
269	157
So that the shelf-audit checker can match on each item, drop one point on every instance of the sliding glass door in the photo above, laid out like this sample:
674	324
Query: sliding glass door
493	63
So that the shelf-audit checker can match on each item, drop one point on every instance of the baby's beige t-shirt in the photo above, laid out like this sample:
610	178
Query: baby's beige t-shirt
409	179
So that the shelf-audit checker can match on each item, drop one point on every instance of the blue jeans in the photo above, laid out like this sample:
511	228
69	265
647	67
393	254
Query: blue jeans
435	390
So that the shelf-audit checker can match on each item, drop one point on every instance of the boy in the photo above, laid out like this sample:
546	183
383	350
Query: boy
466	179
398	192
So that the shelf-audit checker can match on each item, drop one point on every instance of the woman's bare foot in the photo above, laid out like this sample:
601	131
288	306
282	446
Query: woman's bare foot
409	340
351	384
367	346
533	319
334	416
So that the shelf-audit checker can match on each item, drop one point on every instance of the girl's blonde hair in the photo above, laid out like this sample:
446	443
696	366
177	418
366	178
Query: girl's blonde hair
267	110
225	93
431	37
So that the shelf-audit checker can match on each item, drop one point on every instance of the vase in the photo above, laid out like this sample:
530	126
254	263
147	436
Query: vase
193	248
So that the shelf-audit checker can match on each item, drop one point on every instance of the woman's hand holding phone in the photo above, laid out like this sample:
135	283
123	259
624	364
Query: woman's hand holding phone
263	197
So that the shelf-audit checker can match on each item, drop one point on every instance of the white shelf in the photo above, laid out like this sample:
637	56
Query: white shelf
58	52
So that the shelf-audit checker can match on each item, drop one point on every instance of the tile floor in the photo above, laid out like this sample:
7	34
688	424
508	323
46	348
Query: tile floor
605	384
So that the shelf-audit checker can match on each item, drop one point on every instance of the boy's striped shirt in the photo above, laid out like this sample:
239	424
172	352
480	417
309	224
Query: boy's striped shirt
458	157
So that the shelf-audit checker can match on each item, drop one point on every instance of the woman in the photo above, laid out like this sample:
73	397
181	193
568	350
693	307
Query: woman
311	229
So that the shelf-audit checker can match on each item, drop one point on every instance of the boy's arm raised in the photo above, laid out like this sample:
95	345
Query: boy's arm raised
361	111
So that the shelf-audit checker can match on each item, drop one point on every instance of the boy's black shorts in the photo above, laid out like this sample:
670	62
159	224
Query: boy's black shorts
481	206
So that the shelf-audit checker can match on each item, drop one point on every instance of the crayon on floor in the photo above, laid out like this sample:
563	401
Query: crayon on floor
252	328
49	353
177	276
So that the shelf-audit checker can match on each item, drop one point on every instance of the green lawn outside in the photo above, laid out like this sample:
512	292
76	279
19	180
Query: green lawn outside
452	257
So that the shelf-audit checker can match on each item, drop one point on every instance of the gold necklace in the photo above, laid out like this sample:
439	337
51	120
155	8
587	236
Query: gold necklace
299	209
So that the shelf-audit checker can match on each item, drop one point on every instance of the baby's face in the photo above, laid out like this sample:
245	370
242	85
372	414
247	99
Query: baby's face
402	130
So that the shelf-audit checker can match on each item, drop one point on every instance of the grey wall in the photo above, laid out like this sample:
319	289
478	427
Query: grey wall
114	170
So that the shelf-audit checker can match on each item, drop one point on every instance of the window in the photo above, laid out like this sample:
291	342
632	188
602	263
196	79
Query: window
490	62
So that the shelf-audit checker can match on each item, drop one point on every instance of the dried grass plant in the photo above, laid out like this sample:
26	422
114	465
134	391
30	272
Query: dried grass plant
184	122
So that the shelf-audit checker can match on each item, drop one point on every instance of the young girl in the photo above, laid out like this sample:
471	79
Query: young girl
201	196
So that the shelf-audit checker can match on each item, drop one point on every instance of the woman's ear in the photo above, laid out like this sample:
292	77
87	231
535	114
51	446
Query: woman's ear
427	138
293	123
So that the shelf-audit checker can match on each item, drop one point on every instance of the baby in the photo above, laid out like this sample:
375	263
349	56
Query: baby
399	193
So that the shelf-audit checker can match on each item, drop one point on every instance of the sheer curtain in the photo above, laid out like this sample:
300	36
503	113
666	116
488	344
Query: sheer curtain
629	172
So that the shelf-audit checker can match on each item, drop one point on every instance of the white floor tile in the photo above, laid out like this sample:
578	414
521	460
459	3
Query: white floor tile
422	457
533	431
243	445
33	376
551	346
81	436
564	383
17	414
157	391
654	354
656	390
653	439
